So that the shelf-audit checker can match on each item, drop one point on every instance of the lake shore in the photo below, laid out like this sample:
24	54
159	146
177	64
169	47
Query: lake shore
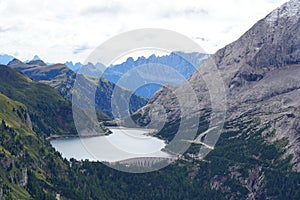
54	137
124	143
148	132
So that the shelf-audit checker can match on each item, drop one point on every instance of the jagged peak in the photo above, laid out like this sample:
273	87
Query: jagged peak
290	10
15	61
36	57
37	62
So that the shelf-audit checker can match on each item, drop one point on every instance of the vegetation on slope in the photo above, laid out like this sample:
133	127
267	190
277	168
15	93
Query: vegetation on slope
60	77
49	111
27	161
242	165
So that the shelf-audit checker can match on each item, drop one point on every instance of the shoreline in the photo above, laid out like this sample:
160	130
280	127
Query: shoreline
128	128
54	137
148	132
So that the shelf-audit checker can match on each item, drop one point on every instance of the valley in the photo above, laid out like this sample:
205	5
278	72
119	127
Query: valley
246	143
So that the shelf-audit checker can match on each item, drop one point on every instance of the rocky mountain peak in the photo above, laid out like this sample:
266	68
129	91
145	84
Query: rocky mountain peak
36	57
266	46
37	62
15	61
260	73
289	10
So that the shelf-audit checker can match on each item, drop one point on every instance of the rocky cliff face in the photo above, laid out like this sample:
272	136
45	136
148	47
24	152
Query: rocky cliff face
260	73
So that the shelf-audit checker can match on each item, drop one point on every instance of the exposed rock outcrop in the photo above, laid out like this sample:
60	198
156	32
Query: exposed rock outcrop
260	72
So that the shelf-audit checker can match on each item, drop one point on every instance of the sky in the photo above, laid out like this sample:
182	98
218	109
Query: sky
64	30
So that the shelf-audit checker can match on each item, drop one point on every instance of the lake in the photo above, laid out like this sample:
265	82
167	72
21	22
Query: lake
122	144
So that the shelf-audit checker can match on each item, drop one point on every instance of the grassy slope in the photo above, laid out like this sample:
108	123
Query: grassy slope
22	150
49	111
230	168
8	118
62	79
240	158
242	165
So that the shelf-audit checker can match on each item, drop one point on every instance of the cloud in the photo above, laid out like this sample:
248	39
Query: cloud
3	29
81	49
58	30
11	28
100	10
187	12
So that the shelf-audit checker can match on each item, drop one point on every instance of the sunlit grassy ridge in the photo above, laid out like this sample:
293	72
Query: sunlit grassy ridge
49	111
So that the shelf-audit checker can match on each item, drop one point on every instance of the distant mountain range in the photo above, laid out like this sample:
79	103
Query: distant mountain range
179	62
75	67
62	78
5	59
256	157
183	63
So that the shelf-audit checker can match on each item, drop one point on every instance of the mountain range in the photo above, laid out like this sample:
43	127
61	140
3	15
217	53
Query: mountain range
5	59
180	62
256	157
63	79
50	113
75	67
260	73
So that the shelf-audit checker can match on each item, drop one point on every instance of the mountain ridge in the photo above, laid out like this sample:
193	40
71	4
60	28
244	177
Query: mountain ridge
49	111
255	157
179	62
60	77
5	59
259	71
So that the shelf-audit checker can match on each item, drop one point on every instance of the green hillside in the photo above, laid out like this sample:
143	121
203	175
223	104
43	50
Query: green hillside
60	77
240	165
13	129
25	158
49	111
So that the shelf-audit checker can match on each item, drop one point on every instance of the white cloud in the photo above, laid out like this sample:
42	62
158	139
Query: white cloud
69	30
